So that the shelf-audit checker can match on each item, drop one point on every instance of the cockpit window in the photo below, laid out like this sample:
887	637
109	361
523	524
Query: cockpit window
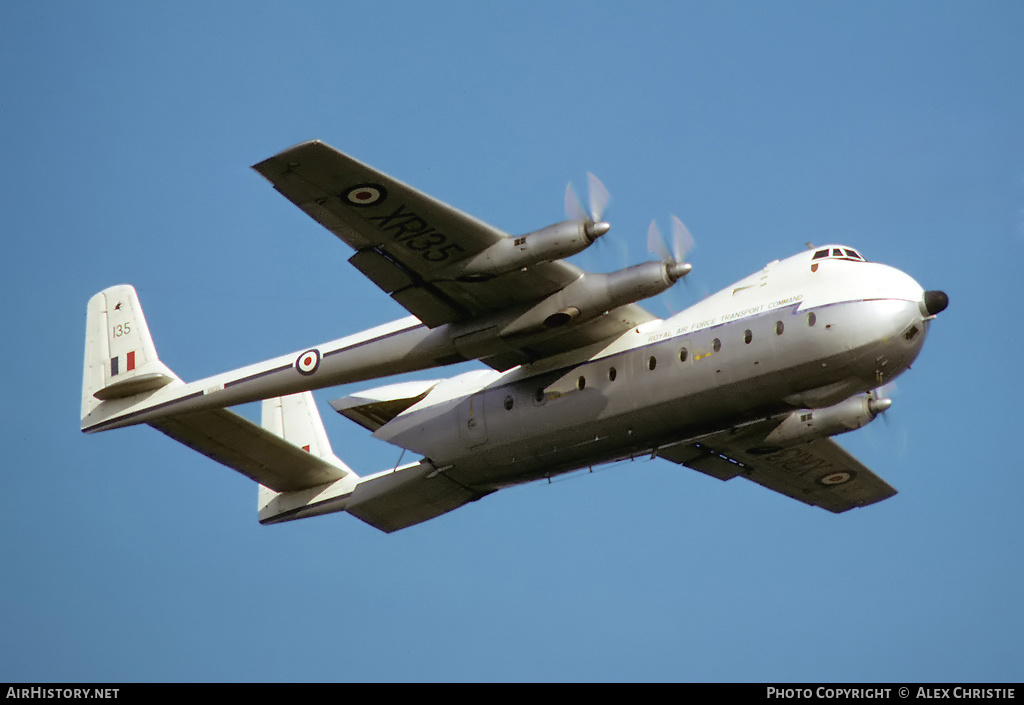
838	253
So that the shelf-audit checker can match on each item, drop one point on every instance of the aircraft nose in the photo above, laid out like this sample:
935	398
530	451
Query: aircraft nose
935	302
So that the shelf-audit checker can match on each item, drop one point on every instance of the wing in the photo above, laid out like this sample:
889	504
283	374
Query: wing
406	242
404	238
819	473
391	501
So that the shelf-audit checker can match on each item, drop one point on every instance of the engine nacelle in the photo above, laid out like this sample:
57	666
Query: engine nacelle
806	424
593	294
553	242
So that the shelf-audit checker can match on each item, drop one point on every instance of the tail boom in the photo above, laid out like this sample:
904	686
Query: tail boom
288	453
127	384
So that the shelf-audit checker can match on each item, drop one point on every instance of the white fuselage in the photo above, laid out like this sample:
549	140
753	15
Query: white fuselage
753	380
805	332
783	338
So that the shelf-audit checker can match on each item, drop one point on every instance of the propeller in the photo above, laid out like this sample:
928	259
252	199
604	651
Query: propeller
881	399
599	197
676	265
891	439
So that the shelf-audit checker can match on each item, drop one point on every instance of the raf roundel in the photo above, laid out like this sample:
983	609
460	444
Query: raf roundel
836	478
308	362
365	195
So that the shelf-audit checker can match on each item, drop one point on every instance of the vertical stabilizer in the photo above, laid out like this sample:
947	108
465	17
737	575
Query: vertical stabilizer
295	419
120	358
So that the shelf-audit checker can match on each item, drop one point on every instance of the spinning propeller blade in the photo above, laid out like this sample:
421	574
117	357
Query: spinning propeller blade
682	242
881	399
573	208
599	197
891	437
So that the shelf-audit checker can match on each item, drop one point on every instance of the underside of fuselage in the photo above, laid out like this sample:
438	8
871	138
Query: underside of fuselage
524	427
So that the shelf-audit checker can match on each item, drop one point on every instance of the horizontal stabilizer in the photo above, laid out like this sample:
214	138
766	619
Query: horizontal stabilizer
262	454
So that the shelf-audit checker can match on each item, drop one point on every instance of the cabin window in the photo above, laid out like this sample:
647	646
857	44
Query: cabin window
811	319
837	252
611	374
581	382
779	327
851	253
911	333
652	362
820	253
509	402
538	396
716	345
747	336
683	354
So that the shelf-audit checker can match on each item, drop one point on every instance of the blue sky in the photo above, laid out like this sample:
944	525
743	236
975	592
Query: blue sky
128	130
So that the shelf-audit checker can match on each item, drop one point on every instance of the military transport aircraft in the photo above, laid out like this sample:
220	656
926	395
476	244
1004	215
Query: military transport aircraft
751	382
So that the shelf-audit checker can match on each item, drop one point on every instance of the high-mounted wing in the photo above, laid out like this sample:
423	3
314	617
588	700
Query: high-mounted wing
390	501
405	240
415	248
819	472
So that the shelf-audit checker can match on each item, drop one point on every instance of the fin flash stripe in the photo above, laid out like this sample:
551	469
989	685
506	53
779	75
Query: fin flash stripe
128	367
